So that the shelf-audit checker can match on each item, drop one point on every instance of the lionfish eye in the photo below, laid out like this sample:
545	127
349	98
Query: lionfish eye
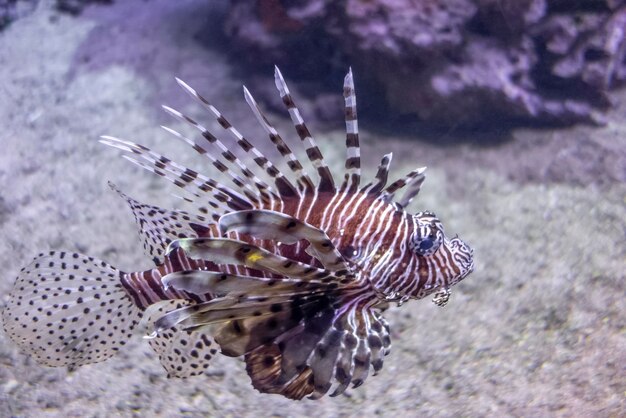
428	236
426	245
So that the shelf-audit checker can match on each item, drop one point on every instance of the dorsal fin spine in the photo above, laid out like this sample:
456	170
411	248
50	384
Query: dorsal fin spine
415	175
285	188
353	150
266	192
303	180
327	184
381	176
245	187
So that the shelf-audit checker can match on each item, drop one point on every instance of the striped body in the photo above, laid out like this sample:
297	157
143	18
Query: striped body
366	230
290	273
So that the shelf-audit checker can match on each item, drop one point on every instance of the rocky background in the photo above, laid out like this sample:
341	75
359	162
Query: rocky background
470	62
539	329
441	62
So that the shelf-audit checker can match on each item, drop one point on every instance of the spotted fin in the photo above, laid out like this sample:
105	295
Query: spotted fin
327	184
241	336
293	346
226	309
266	224
228	251
264	365
159	227
181	353
239	297
67	309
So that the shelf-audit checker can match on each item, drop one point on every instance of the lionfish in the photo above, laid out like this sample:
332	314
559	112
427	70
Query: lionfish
293	275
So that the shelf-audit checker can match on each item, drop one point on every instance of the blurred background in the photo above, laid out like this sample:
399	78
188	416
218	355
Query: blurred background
516	106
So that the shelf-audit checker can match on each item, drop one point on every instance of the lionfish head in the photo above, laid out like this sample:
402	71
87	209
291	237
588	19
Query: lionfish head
441	262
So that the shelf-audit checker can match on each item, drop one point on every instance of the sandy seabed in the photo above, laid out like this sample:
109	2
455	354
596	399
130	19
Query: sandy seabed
539	329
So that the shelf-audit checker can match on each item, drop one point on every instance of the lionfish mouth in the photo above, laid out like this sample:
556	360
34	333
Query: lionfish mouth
463	255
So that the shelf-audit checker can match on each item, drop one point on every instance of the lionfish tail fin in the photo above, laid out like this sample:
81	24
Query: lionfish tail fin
326	184
67	309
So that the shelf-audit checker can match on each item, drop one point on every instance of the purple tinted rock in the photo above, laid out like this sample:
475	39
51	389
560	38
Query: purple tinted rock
11	10
407	28
451	61
76	6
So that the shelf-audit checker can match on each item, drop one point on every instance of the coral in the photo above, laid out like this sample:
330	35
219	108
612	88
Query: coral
452	61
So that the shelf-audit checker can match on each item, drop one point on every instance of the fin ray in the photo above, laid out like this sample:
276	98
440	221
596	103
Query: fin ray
201	282
284	187
327	184
228	251
221	197
382	174
353	150
266	224
264	189
302	178
416	175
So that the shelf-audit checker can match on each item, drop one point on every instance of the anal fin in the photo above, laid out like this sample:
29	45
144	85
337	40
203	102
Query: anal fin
181	353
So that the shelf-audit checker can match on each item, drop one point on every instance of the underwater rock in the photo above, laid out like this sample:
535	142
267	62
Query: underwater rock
11	10
464	62
7	12
74	7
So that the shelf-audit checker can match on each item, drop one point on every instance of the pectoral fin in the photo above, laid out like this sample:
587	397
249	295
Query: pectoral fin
267	224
